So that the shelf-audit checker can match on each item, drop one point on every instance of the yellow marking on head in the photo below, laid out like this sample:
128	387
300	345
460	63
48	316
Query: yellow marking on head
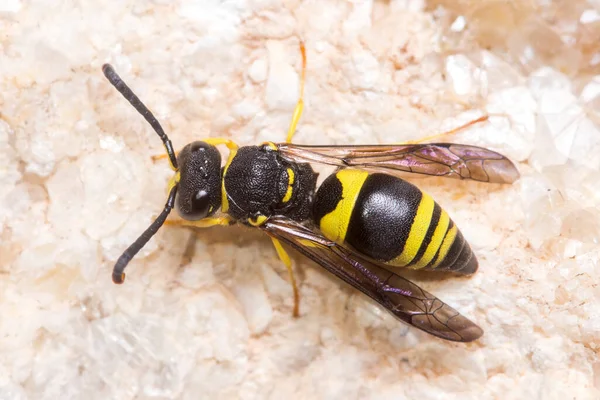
173	181
261	219
436	241
446	244
291	179
335	224
418	231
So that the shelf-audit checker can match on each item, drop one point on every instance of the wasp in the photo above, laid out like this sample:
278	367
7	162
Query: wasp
363	223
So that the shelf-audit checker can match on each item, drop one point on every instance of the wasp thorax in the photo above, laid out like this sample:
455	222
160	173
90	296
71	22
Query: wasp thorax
199	192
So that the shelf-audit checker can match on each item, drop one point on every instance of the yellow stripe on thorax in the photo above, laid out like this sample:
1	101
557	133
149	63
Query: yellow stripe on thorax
418	231
258	221
436	241
335	224
446	244
291	179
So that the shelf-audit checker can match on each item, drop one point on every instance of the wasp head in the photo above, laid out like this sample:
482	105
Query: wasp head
199	186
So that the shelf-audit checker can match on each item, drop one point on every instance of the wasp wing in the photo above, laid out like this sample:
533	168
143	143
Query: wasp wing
402	298
438	159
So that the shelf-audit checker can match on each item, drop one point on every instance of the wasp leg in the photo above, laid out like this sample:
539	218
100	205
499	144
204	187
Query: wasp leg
162	156
284	256
451	131
231	145
300	104
203	223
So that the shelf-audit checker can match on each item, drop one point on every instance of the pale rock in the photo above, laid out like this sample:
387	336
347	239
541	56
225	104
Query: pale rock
112	189
221	20
65	192
111	143
545	353
462	73
561	383
359	17
275	284
245	109
281	91
545	152
589	16
480	236
498	74
335	368
363	69
563	120
591	91
256	305
196	275
9	174
9	7
258	70
459	24
210	312
411	5
39	155
113	245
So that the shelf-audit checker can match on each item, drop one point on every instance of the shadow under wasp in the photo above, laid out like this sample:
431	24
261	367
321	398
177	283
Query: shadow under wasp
361	223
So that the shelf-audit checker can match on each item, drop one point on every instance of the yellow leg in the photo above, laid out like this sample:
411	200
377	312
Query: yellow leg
283	255
450	132
300	103
231	145
203	223
162	156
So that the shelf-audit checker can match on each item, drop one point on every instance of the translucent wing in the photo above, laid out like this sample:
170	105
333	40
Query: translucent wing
438	159
402	298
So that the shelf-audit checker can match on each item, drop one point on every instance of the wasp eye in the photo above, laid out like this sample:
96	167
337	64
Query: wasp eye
200	205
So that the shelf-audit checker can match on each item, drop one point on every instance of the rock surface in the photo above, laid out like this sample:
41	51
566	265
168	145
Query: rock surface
208	314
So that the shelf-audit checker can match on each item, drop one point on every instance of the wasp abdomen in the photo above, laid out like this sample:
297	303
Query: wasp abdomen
391	221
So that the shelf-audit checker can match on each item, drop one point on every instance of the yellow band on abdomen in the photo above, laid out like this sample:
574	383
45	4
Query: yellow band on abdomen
446	244
418	231
436	241
334	225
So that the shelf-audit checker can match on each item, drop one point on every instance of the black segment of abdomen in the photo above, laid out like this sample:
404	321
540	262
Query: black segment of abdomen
382	216
460	257
329	195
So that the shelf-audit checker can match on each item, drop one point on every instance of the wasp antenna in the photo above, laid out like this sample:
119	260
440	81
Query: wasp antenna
118	276
122	87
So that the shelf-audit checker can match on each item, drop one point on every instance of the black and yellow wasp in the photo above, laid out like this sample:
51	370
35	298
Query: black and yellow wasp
360	224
